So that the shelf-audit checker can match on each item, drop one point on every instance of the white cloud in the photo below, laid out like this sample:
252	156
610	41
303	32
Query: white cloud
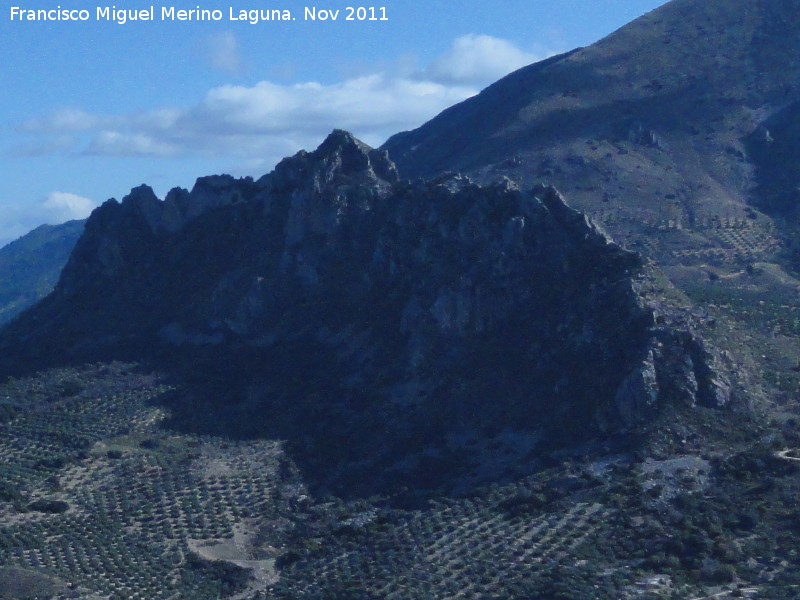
117	143
370	104
45	146
266	121
65	120
224	54
251	128
478	60
17	219
63	206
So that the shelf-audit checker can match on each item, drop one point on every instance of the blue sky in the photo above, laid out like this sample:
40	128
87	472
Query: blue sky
90	109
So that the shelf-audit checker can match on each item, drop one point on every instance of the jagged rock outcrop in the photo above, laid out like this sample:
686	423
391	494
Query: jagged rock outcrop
678	134
393	331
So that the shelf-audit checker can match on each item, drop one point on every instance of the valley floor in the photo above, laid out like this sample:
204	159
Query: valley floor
99	499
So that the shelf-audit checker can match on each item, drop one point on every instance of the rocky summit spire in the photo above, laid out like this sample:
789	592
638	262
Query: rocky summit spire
341	159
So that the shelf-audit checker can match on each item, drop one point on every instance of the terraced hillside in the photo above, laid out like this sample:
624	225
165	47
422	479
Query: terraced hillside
98	497
101	501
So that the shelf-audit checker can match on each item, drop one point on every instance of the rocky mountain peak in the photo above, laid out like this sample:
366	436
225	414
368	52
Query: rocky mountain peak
408	317
342	176
143	201
141	196
340	160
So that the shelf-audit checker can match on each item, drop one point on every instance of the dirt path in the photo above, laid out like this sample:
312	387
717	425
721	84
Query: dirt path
784	454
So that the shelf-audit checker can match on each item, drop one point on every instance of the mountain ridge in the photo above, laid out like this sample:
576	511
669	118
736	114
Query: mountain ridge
389	308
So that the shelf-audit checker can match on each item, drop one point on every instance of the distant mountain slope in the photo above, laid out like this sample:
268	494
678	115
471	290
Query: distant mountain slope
663	131
31	265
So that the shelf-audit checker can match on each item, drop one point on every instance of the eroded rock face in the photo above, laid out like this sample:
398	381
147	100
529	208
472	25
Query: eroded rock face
636	398
679	368
381	326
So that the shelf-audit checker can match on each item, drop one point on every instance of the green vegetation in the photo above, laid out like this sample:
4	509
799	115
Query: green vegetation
98	494
85	499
